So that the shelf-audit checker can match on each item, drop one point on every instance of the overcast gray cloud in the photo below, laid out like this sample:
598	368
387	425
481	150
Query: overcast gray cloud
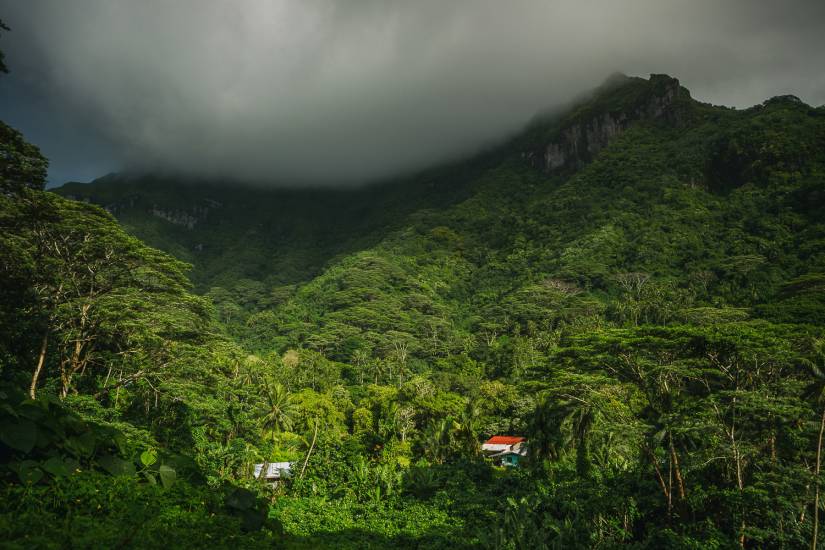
325	91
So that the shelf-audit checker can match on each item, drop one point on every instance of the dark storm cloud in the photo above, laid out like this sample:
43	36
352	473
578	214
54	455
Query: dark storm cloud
308	91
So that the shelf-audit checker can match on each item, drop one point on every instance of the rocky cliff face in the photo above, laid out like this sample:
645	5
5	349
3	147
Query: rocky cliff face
186	218
177	217
581	138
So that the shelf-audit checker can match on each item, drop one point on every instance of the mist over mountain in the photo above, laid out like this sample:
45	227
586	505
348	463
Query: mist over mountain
339	93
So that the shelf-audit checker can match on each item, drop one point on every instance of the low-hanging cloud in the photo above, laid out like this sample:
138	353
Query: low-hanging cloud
297	92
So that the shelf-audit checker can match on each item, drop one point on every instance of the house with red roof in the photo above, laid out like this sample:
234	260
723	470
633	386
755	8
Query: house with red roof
505	450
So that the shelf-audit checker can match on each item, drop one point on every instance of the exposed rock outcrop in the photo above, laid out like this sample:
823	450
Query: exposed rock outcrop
582	137
186	218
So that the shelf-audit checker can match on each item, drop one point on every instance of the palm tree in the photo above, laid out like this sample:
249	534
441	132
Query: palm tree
468	428
387	423
438	438
378	367
360	357
280	410
563	424
542	431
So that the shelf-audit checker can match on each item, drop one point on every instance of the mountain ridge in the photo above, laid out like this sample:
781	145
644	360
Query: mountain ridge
141	202
647	169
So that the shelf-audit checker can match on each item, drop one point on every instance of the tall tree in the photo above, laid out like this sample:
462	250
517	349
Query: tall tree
101	301
280	409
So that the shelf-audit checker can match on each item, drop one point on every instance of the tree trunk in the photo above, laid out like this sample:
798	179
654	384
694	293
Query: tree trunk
64	372
816	480
40	360
742	536
677	470
77	361
659	477
309	452
740	482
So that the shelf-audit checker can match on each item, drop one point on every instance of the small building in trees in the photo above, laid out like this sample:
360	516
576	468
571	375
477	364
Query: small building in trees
505	450
275	472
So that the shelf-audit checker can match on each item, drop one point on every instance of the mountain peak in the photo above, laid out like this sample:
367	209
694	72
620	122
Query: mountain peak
620	102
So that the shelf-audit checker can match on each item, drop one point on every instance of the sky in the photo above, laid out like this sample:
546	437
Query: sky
343	92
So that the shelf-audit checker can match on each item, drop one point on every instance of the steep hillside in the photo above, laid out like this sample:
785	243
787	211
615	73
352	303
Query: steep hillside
280	236
708	207
700	211
283	236
636	285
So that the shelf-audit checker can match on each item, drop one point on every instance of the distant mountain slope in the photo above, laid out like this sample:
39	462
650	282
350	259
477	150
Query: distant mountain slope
280	236
639	205
284	236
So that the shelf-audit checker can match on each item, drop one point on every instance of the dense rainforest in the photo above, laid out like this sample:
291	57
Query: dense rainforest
636	285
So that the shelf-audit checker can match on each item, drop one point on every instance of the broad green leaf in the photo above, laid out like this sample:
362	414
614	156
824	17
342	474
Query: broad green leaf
148	457
167	475
28	471
82	444
116	466
20	435
73	423
120	441
46	438
56	467
31	410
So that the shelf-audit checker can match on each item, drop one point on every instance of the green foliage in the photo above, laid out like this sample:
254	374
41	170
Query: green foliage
92	510
69	481
650	316
22	165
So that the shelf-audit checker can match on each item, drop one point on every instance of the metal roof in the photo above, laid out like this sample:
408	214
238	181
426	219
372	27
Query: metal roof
504	440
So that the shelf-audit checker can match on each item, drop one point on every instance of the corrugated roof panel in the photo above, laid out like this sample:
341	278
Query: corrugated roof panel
504	440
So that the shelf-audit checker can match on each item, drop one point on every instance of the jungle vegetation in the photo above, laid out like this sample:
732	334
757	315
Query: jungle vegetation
651	317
